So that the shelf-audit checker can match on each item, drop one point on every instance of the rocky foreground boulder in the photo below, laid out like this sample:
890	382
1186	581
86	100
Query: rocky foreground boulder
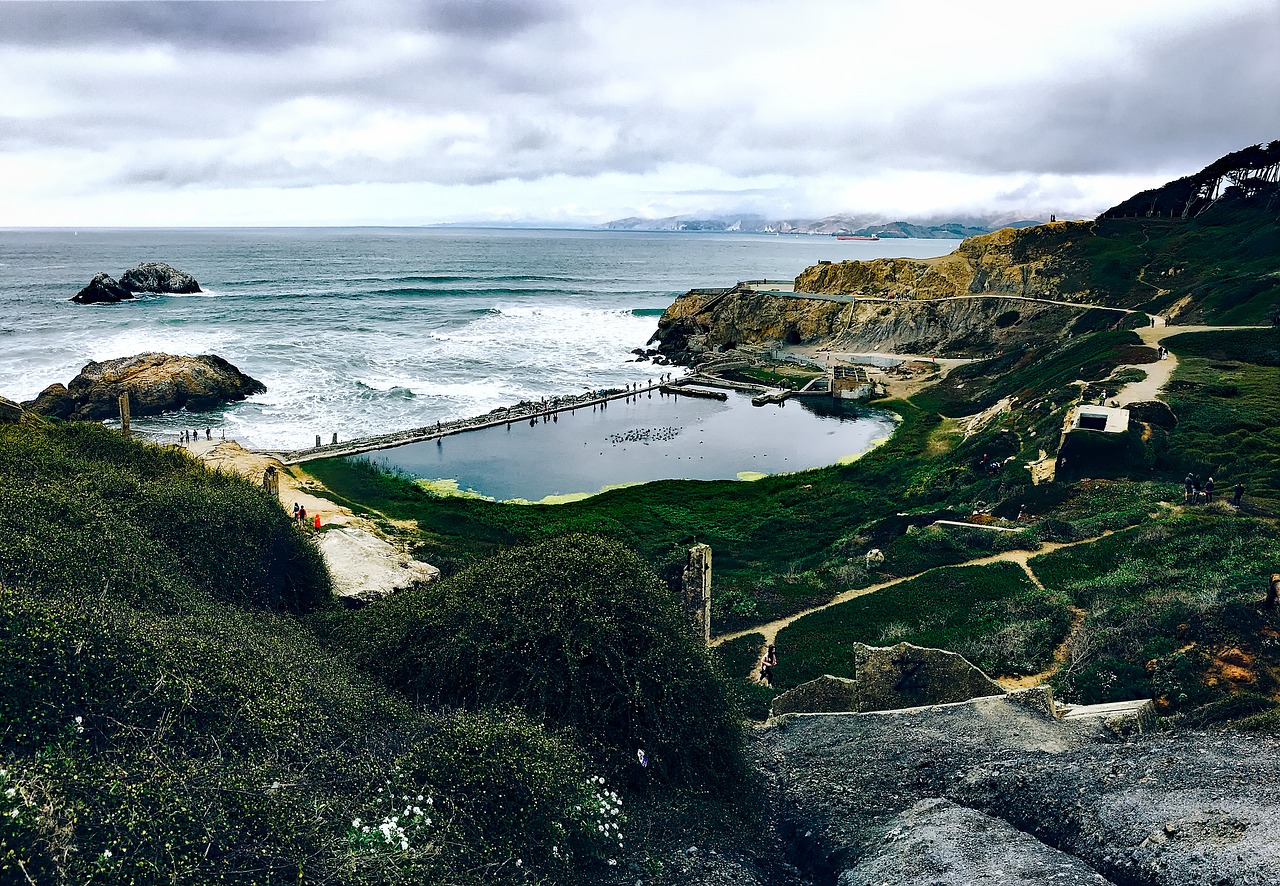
155	383
992	791
148	276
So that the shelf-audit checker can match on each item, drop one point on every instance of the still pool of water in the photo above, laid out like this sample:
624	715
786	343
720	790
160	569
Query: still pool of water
644	439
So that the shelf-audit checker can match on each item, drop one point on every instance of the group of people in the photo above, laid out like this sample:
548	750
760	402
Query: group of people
1162	352
193	436
300	515
1196	491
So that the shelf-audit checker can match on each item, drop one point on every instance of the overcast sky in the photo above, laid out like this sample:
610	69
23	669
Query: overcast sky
580	111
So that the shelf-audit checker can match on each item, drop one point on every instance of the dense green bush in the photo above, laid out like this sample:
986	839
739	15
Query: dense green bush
166	717
577	631
86	508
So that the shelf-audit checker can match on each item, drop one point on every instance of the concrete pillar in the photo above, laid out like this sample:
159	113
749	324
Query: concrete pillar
696	590
317	441
124	413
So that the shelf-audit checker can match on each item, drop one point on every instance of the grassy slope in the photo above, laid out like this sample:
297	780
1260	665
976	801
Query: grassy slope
167	714
1225	396
1225	260
992	614
1162	600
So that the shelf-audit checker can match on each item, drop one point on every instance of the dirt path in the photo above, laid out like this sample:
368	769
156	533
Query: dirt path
1159	373
365	563
1060	656
770	630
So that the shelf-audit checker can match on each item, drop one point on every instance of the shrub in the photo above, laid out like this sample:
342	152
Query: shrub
87	508
576	631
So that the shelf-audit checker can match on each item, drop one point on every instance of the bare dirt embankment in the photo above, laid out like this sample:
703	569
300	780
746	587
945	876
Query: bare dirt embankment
364	558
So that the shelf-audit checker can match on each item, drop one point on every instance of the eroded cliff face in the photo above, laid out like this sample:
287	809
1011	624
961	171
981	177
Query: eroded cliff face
923	306
697	325
1034	262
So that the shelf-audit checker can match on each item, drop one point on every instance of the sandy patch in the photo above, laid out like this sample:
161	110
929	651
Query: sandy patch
364	562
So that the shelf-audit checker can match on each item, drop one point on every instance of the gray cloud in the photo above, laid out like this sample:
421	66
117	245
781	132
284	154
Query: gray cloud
470	92
231	25
489	19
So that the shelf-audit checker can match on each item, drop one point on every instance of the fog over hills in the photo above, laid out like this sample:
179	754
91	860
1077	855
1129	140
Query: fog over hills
938	227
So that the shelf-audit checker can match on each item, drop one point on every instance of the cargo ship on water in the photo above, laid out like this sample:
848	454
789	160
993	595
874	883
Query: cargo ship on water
855	237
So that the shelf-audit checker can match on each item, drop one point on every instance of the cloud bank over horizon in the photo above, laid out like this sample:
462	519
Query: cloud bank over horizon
128	112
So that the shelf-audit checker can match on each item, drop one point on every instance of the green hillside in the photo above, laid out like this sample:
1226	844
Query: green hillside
182	701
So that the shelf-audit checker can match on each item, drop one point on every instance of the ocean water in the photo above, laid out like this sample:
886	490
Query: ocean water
369	330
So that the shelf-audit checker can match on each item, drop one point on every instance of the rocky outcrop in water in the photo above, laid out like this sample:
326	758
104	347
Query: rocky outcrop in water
103	288
155	383
151	276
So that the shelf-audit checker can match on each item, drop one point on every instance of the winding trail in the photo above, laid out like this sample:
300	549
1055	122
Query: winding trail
1020	558
1159	373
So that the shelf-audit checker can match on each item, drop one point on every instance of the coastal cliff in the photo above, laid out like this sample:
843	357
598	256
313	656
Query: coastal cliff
1033	262
701	323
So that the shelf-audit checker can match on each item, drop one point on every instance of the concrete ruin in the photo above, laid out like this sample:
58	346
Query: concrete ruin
695	586
890	678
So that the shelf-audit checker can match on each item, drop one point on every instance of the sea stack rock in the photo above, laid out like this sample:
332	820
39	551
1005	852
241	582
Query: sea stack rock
155	383
102	288
152	276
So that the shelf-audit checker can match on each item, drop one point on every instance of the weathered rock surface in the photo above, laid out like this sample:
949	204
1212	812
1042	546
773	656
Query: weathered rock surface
940	843
1040	796
103	288
698	324
10	412
54	401
1165	810
155	383
150	276
890	678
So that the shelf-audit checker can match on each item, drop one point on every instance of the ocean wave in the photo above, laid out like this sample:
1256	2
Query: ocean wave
498	291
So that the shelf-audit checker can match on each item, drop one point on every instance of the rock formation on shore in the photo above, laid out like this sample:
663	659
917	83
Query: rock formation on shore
155	383
152	276
1032	262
